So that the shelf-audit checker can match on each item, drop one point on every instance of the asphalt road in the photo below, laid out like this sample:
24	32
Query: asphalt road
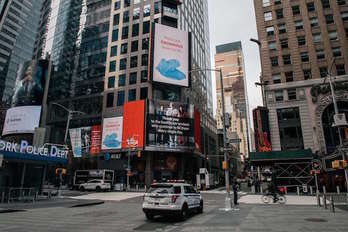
126	215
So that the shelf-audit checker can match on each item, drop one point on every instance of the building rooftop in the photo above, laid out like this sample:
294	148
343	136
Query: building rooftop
229	47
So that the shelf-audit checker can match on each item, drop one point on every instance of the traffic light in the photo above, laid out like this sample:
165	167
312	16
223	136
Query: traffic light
60	171
224	165
139	154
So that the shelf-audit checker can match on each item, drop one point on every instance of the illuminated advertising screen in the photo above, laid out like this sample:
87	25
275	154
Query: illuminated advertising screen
112	133
170	56
170	126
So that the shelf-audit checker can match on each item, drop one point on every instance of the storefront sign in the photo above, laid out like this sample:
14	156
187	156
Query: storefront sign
25	148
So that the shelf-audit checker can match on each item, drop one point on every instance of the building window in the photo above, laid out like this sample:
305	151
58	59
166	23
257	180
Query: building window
134	46
113	51
116	19
274	61
336	52
133	78
123	64
277	2
124	48
329	19
290	129
307	73
136	2
120	98
286	59
143	76
289	76
144	59
112	66
132	95
145	44
344	16
292	94
135	30
299	25
279	13
125	32
316	37
296	10
114	35
146	27
110	100
333	35
125	16
266	3
320	54
301	40
117	5
314	22
127	3
304	57
134	62
281	28
270	30
111	82
340	69
325	3
323	71
143	93
121	80
284	43
147	10
341	2
310	6
276	79
279	95
268	16
136	13
272	45
157	7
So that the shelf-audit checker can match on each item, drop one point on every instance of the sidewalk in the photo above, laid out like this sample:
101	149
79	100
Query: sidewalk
109	196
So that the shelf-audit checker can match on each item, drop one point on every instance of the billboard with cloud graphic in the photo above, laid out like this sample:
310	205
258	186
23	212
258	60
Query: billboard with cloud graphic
171	56
112	133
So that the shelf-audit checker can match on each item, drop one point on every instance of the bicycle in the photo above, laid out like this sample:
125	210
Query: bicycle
268	197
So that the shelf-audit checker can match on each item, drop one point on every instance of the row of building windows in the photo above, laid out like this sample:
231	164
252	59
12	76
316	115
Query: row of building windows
132	93
135	31
134	47
136	13
133	63
310	5
132	79
307	73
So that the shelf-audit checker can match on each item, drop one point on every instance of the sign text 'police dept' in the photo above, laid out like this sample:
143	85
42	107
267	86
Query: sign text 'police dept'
25	148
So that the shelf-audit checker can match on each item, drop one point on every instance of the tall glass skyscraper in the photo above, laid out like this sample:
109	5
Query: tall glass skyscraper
18	24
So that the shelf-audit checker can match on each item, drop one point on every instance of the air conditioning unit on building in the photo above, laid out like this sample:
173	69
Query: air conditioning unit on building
340	120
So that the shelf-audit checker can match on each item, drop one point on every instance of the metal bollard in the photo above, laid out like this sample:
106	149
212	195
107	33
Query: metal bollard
311	190
298	190
332	204
286	190
324	189
261	189
338	189
3	197
324	200
318	198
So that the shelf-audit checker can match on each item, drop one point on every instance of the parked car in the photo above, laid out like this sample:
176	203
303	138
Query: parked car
177	199
96	185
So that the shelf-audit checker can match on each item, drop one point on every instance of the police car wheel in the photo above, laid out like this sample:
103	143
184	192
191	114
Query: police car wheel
149	216
184	212
200	209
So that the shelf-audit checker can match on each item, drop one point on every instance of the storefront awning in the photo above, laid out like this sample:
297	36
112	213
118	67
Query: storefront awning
281	155
32	157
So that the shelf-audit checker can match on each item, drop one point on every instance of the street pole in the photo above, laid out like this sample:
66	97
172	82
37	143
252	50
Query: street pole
227	176
338	128
128	168
67	127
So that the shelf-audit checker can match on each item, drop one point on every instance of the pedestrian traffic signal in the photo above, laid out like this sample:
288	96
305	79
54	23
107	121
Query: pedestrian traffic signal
139	154
224	165
60	171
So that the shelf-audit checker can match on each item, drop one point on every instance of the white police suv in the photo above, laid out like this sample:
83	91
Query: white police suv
172	198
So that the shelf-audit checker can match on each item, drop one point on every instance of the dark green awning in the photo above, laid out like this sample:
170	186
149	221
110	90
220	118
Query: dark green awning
281	155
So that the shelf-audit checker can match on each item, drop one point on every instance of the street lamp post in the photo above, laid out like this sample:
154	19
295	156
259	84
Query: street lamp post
228	205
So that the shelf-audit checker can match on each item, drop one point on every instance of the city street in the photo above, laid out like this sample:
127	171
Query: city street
125	214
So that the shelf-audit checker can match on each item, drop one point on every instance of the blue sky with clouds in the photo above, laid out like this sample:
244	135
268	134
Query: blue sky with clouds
234	20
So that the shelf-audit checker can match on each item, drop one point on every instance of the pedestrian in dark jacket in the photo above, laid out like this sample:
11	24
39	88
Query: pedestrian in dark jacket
235	191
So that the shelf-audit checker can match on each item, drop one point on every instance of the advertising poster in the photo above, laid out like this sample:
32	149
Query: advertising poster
170	126
21	120
171	56
112	133
75	139
95	140
133	122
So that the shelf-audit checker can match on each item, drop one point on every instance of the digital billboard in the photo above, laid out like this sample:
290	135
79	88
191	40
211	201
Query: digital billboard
85	140
112	133
170	126
133	122
170	56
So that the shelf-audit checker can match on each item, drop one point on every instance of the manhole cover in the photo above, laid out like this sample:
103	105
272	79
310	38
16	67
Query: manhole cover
315	220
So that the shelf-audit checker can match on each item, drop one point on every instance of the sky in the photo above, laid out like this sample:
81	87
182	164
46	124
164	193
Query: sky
230	21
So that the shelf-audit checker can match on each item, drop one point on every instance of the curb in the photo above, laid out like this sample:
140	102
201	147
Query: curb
87	204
